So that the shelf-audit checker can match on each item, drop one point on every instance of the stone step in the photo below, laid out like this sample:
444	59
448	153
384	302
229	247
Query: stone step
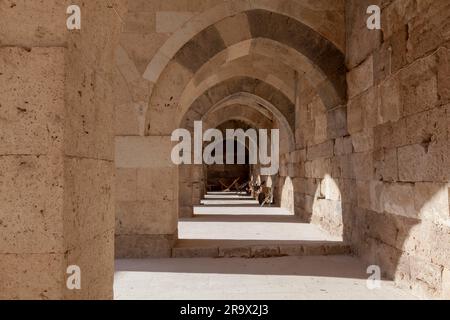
229	196
249	249
226	193
220	202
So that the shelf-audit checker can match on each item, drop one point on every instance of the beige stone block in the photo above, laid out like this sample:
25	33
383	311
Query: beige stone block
317	168
154	184
390	134
391	107
144	246
88	200
360	78
428	127
31	204
431	201
239	32
89	125
140	22
419	85
361	42
40	23
423	163
95	259
363	141
143	152
385	164
146	217
32	100
171	21
355	115
324	150
363	165
399	199
126	184
429	29
32	276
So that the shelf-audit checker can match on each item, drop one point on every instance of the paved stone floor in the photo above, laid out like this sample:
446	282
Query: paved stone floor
332	277
225	224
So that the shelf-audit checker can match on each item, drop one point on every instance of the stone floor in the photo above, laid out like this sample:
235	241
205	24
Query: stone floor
331	277
230	251
231	226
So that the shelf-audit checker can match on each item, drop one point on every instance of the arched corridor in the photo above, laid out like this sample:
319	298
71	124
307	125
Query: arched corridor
171	147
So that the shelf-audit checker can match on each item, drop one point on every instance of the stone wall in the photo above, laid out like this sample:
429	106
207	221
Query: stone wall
56	151
398	118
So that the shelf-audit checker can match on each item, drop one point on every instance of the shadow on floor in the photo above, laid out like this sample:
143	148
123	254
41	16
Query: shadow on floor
330	266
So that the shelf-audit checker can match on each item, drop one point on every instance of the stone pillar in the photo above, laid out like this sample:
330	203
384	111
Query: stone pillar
56	150
147	190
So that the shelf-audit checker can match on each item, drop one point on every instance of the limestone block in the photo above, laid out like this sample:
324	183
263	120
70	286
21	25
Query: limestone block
171	21
126	184
32	276
428	127
360	78
419	85
385	163
431	201
355	115
429	28
90	113
144	246
391	107
31	204
337	122
145	217
361	42
88	201
396	15
423	163
41	23
317	168
399	199
363	141
382	227
140	22
143	152
363	194
376	190
95	259
363	165
324	150
155	184
239	32
32	100
390	135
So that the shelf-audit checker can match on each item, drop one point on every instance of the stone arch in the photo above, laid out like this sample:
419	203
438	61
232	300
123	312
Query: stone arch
315	15
210	42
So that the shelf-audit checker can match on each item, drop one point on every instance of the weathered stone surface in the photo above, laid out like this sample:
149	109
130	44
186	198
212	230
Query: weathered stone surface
360	78
140	246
